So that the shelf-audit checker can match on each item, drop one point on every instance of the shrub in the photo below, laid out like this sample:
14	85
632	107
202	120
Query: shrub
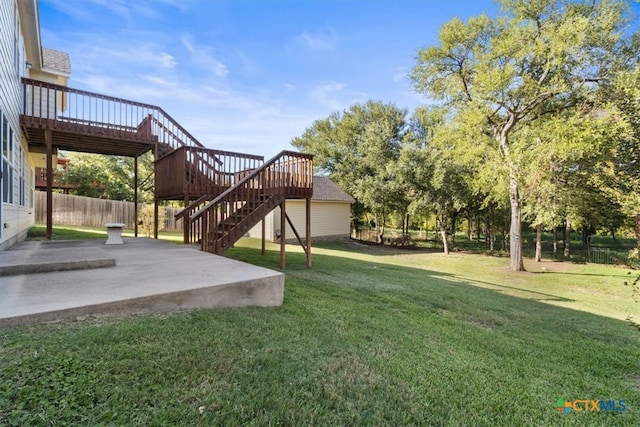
145	218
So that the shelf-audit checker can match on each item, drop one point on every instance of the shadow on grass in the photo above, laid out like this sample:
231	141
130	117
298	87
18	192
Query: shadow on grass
380	275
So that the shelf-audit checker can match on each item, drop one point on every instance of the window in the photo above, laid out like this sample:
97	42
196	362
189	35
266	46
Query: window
5	136
7	161
16	45
19	168
28	183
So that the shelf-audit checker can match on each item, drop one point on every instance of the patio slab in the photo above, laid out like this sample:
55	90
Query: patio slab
149	276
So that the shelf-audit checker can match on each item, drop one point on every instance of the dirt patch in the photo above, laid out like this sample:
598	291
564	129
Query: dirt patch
485	324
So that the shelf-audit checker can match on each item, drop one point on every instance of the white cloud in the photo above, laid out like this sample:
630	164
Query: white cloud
119	54
201	56
73	9
166	60
325	94
119	8
248	65
318	41
400	75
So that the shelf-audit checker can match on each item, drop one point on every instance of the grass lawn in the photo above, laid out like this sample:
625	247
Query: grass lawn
39	232
368	336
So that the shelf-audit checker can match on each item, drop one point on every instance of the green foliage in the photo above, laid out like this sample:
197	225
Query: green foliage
110	177
430	168
620	177
146	219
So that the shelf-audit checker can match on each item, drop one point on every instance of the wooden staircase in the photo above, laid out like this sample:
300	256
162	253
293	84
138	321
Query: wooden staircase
220	222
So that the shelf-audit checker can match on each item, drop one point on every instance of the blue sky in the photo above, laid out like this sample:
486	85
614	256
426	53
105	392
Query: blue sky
248	75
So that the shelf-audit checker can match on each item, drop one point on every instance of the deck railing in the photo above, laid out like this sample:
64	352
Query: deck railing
62	108
227	217
58	179
203	171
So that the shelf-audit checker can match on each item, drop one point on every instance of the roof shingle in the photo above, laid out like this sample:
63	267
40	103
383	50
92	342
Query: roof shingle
326	190
56	60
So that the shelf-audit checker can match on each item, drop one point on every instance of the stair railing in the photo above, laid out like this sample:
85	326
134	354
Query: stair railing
231	168
288	174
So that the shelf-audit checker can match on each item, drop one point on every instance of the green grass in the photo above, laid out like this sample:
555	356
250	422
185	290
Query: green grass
368	336
39	232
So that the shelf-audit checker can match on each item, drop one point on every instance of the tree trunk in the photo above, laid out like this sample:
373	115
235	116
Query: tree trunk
555	240
453	228
505	238
567	237
539	243
441	224
407	224
492	229
585	237
637	232
469	225
515	230
443	234
478	227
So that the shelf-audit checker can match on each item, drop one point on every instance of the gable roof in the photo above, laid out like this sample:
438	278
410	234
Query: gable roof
326	190
56	60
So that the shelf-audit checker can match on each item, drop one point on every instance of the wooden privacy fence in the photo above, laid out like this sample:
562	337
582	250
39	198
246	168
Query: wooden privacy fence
83	211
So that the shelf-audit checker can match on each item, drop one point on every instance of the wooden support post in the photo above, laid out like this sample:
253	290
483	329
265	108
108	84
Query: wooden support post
308	212
156	153
263	236
155	218
186	222
283	215
48	141
135	196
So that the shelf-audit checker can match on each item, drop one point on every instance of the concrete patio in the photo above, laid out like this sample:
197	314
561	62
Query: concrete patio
53	280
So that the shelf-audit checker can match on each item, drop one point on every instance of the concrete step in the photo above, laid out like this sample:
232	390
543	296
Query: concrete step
49	256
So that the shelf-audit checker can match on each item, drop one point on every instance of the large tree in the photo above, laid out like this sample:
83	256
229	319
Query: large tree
358	149
622	171
430	169
539	58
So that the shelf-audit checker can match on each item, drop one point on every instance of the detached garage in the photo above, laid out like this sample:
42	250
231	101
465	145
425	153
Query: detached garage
330	215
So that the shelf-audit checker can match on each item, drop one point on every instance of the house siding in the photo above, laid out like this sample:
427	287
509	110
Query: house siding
16	214
329	220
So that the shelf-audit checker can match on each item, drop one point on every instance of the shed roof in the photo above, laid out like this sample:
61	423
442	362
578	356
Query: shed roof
327	190
56	60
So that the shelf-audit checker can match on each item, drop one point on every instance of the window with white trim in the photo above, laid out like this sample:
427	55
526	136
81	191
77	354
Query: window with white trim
8	167
16	39
6	134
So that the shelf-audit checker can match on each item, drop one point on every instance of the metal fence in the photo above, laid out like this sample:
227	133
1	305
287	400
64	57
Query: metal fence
600	255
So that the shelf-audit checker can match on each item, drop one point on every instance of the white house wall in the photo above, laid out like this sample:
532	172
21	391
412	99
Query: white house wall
328	220
16	213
